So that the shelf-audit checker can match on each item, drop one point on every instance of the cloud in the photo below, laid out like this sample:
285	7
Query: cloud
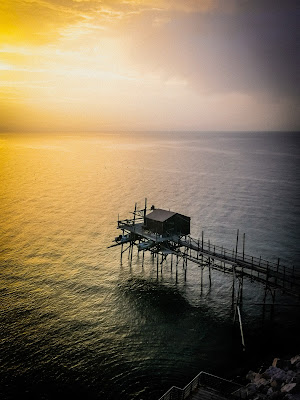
253	48
172	61
41	21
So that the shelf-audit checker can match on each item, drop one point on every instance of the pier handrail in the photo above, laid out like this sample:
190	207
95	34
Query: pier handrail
209	381
241	258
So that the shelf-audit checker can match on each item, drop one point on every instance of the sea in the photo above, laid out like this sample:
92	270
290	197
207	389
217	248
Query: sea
76	323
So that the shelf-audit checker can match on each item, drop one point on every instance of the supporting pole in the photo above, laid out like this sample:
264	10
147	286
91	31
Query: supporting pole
233	283
241	328
237	242
267	274
277	270
243	246
129	249
121	252
131	253
145	210
209	272
202	251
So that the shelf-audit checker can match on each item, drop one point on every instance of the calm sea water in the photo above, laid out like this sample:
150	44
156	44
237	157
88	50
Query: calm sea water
74	323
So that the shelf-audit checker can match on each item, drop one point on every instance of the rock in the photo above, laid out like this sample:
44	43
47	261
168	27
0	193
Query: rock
288	388
251	389
281	381
274	373
270	391
279	376
251	375
275	361
260	382
290	375
295	360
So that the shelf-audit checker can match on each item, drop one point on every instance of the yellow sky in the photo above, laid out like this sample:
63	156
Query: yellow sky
152	64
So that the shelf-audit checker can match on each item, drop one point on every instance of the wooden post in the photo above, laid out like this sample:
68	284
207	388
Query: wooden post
243	246
202	234
267	274
131	252
201	276
121	252
145	210
209	272
233	283
237	242
277	270
129	248
241	328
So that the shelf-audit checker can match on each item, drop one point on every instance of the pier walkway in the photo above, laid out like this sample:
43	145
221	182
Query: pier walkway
207	255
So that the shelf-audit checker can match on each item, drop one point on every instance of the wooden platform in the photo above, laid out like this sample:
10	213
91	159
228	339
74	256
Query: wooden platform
205	394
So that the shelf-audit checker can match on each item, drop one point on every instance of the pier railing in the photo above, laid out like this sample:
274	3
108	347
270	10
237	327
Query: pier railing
206	380
238	257
272	274
256	268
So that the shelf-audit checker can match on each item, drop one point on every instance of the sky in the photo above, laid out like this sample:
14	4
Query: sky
94	65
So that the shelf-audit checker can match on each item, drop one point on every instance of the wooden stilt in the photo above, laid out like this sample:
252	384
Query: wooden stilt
237	243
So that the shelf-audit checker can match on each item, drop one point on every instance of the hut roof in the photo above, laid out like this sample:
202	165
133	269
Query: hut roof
160	215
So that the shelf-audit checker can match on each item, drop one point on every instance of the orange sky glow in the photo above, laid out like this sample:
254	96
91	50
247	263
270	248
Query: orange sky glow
148	65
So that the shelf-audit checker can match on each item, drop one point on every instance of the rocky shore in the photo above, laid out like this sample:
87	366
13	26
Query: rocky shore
280	381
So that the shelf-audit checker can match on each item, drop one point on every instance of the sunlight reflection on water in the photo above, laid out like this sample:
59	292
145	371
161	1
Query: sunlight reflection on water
73	320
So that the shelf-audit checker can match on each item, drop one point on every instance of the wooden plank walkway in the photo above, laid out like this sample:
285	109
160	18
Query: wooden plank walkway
205	254
272	275
204	394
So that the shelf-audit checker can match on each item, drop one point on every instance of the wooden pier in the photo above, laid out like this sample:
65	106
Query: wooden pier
170	240
166	233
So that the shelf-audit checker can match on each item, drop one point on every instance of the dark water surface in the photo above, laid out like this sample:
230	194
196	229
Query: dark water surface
74	323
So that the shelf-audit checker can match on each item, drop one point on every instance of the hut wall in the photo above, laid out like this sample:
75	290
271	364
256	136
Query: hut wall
176	224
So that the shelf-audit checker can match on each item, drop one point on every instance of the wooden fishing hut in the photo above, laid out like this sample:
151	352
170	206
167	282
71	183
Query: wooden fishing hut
167	223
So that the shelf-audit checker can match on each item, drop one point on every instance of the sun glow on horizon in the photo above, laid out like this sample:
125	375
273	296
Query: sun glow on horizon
137	65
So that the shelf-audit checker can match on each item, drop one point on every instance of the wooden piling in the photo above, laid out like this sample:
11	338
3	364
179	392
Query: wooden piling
236	245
